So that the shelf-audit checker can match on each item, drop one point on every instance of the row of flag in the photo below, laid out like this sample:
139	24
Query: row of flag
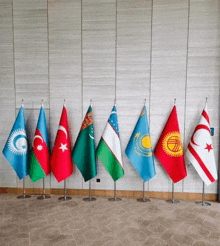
168	151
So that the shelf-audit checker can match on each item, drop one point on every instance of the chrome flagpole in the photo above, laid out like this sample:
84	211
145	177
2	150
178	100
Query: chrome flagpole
203	203
143	199
24	195
44	196
89	199
173	201
115	198
65	198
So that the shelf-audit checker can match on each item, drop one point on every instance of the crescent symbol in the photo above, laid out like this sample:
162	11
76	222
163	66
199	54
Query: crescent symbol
198	128
20	142
63	129
38	136
91	136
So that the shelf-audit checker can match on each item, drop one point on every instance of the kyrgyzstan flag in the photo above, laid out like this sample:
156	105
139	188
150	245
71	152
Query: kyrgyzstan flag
61	161
200	150
169	149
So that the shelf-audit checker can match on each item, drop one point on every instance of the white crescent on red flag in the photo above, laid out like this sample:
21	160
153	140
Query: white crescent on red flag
200	150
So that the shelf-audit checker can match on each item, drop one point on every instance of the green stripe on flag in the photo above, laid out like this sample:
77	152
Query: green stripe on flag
36	172
109	161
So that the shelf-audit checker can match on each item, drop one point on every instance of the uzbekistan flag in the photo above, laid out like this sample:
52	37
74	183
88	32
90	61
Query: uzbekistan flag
39	157
200	151
169	150
109	148
139	148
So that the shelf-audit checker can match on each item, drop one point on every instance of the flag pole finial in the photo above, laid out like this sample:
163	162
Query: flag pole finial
22	102
64	103
115	101
42	102
90	102
174	101
145	100
206	99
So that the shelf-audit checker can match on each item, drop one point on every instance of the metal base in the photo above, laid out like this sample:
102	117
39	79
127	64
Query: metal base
89	199
114	199
143	200
23	197
172	201
43	197
203	204
65	198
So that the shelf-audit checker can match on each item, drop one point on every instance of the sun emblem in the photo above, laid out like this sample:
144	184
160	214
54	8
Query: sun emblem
17	142
172	144
143	145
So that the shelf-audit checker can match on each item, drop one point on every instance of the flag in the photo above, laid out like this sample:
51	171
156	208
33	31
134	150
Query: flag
169	149
109	148
200	150
39	157
139	149
16	147
61	161
83	153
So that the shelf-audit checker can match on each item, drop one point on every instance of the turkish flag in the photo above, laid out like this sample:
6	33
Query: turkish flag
200	150
169	149
61	161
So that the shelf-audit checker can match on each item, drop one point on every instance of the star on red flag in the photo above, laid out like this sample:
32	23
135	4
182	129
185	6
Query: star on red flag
208	147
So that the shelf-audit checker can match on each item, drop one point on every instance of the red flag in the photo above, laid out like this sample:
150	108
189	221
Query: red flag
61	161
169	149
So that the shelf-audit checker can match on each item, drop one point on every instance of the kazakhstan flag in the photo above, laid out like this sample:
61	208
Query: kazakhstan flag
139	149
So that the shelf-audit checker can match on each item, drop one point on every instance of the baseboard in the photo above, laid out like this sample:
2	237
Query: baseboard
109	193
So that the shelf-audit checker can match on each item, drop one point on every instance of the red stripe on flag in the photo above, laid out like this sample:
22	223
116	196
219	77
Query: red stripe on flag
205	115
200	162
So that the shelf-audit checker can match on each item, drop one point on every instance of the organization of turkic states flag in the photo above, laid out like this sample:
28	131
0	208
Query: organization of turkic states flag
200	150
169	149
109	148
39	157
83	153
16	147
139	149
61	161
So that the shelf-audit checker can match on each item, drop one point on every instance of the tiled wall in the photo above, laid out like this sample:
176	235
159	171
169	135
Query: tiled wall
129	49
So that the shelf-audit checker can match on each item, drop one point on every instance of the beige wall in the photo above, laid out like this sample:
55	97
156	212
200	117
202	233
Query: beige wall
131	49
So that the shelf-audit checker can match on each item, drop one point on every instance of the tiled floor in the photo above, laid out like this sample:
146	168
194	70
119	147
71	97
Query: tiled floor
76	222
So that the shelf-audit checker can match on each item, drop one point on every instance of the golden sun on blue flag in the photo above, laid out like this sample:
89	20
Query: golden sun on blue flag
139	149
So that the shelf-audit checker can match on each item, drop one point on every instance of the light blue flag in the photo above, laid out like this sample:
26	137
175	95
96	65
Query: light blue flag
139	149
16	147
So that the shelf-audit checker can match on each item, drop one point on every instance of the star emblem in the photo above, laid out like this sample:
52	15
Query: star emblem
39	147
208	147
63	147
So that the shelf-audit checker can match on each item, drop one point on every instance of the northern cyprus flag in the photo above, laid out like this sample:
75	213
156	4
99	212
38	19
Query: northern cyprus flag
109	148
200	150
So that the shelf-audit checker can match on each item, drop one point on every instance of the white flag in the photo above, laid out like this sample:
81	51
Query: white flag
200	150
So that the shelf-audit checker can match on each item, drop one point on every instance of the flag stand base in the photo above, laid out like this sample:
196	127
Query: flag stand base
114	199
43	197
203	204
143	200
67	198
23	196
89	199
172	201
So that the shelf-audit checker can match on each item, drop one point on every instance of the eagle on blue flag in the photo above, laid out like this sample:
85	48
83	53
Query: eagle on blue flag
139	149
16	147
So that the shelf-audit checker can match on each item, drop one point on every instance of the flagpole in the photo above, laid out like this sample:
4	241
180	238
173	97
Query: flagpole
65	198
24	195
173	201
44	195
90	198
143	199
114	199
203	203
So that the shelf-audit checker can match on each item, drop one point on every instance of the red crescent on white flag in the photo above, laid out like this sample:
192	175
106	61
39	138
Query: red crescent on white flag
198	128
